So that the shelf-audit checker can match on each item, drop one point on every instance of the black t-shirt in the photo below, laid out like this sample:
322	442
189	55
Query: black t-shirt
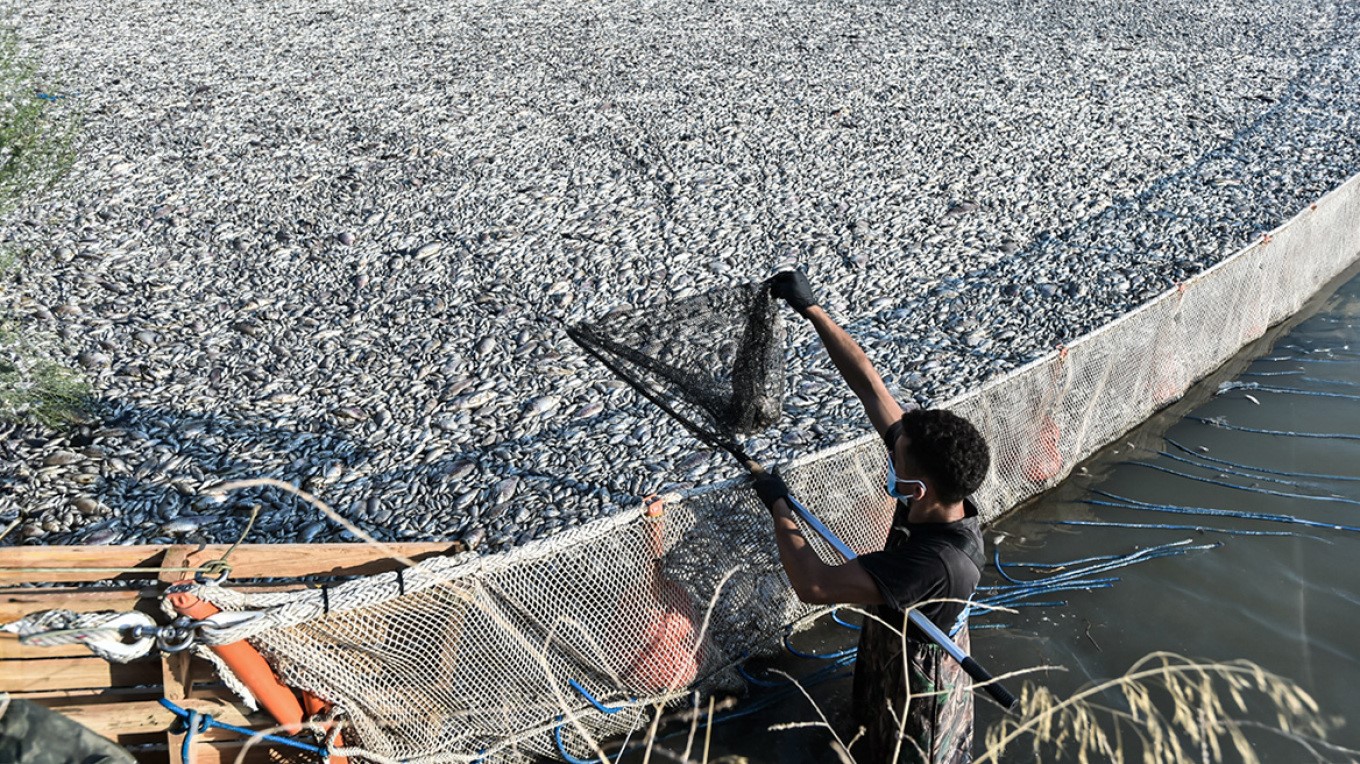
926	561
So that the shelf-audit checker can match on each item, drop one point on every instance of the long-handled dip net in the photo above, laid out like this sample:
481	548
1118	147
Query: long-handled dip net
721	355
715	361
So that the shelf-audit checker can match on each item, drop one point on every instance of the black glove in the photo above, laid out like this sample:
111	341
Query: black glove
793	287
770	487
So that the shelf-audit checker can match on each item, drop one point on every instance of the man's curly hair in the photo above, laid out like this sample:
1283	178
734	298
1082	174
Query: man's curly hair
949	449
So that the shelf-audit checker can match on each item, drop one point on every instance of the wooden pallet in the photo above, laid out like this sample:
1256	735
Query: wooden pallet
121	701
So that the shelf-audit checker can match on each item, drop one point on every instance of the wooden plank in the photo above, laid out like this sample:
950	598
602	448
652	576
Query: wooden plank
227	753
64	564
289	560
58	564
11	649
218	753
55	698
143	717
76	673
17	603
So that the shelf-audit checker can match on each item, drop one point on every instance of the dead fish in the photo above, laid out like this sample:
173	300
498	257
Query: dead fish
540	405
187	523
504	490
691	461
588	410
100	537
310	531
474	538
475	400
461	469
464	499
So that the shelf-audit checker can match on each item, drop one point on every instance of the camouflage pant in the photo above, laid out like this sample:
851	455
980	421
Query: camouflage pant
938	727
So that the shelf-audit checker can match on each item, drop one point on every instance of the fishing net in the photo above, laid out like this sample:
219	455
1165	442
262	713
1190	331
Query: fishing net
715	359
537	650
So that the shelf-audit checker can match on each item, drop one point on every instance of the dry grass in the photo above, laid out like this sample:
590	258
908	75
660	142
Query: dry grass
1165	709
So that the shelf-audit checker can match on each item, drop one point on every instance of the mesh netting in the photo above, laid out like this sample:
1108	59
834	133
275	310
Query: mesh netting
717	358
472	658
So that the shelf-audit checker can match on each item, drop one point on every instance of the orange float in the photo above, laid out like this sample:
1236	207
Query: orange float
254	671
1044	462
669	656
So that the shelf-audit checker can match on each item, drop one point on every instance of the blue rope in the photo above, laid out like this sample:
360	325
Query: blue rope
1225	470
602	708
828	657
206	721
1068	564
996	563
1261	469
1310	360
1295	391
1164	550
1221	424
1009	599
562	747
1040	587
836	616
1199	528
1272	373
1338	382
1174	509
1075	580
1249	489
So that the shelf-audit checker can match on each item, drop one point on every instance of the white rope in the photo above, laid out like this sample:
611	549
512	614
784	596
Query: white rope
102	632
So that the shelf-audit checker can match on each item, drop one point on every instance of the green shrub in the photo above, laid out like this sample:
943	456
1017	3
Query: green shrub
36	149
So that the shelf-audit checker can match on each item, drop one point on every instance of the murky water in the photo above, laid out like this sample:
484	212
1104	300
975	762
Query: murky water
1289	603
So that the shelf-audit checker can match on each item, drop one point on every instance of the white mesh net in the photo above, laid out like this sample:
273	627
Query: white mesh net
466	659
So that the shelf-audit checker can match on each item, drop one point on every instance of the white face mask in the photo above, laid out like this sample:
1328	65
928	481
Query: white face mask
893	482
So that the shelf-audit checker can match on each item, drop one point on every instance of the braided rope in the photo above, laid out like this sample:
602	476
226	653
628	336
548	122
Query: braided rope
102	632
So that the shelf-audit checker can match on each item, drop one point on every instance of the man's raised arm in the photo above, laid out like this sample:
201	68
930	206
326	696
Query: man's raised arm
845	353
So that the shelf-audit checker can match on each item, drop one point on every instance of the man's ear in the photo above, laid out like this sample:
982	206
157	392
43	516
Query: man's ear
918	491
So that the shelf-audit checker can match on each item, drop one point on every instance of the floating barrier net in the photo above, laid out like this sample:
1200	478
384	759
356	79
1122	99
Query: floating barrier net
541	650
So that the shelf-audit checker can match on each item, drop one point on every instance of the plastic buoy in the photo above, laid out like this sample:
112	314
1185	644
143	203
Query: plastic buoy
668	657
1044	462
248	665
254	672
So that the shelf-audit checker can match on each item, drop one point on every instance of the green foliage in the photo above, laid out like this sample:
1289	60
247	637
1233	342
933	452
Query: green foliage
35	389
36	149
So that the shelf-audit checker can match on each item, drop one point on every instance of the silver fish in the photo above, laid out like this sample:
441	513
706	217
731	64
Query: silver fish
588	410
541	405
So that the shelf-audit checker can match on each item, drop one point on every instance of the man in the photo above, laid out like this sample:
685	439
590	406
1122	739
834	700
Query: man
933	552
